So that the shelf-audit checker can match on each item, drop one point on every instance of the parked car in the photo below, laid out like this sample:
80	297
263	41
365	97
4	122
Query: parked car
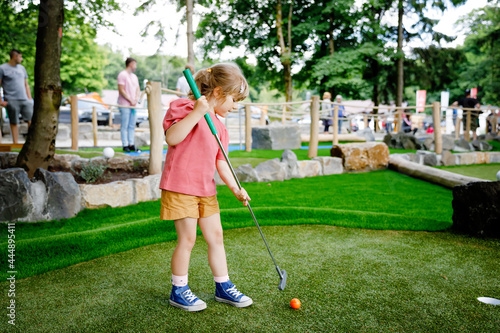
141	115
86	102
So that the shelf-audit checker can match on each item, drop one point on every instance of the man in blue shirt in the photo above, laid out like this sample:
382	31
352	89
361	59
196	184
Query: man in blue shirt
17	94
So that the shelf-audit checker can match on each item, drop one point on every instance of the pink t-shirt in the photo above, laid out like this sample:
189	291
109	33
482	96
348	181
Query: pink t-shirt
190	165
130	83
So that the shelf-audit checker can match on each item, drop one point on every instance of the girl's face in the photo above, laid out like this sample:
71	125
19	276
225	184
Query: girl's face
225	105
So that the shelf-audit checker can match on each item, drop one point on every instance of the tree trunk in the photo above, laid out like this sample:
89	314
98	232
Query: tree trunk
286	56
400	78
190	34
39	148
331	47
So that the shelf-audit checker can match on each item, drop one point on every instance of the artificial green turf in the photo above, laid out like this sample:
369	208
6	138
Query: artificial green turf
348	280
375	200
483	171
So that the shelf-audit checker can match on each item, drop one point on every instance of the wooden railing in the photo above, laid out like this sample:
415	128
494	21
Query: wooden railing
286	112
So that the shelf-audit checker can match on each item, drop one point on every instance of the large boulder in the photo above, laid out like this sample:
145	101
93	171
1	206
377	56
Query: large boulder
63	198
481	145
63	161
367	133
402	141
476	209
289	161
330	165
463	145
246	173
309	168
271	170
48	196
365	156
276	137
15	198
448	142
427	158
115	194
448	158
8	160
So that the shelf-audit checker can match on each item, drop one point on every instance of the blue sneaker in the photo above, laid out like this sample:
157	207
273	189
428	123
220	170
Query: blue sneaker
183	298
226	292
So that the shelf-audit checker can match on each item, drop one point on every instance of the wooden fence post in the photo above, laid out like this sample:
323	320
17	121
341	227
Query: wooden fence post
155	126
436	116
365	120
399	120
467	126
263	115
313	137
94	124
336	125
248	127
494	124
283	115
110	120
458	122
74	122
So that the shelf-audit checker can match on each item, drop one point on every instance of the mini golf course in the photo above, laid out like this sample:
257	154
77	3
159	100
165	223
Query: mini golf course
364	252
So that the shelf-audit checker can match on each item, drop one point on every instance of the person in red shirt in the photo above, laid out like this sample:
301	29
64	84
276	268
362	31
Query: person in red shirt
189	195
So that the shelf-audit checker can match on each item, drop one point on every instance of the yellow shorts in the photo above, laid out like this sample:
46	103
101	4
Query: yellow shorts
175	206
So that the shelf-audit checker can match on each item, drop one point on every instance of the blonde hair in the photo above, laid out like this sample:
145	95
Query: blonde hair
227	76
327	95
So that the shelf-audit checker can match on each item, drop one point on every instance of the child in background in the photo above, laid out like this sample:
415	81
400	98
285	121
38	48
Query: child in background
327	111
188	187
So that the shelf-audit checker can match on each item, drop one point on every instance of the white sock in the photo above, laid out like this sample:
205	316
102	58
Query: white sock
221	279
179	281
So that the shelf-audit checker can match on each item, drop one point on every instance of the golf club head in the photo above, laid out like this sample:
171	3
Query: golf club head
283	277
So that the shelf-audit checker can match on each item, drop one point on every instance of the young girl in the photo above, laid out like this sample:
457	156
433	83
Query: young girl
188	187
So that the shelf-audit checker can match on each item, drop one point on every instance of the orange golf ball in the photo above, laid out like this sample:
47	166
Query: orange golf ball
295	303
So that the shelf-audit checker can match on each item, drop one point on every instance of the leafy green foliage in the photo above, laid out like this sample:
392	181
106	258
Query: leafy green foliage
82	60
91	172
483	53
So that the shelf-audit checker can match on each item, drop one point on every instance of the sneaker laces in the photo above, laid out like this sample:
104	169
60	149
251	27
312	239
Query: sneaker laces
189	296
234	292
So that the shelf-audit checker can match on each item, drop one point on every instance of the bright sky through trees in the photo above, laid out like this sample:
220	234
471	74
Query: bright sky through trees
130	28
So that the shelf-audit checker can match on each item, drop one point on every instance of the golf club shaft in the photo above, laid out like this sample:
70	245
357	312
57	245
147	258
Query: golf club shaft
248	204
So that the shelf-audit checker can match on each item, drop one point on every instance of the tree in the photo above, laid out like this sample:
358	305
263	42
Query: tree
424	26
40	143
254	25
16	32
482	50
158	27
82	61
39	148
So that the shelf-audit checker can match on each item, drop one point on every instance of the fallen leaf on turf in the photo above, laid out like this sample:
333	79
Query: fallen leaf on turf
444	277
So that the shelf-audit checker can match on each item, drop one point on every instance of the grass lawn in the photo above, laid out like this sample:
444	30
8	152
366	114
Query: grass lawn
348	280
375	200
483	171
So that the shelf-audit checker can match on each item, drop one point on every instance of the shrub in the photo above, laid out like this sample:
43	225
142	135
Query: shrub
91	172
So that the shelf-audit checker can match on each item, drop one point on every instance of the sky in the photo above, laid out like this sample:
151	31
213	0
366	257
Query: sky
129	27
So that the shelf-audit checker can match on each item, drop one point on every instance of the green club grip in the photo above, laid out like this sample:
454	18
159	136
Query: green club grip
196	93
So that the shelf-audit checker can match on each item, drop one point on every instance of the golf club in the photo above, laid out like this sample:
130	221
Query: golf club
197	94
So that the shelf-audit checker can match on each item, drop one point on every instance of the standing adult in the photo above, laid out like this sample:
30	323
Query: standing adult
472	103
17	93
182	84
128	89
338	99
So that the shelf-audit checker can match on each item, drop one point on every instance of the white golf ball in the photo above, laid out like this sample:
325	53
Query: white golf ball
108	152
498	175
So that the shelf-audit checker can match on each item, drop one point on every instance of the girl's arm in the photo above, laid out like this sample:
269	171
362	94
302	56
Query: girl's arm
178	131
227	176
